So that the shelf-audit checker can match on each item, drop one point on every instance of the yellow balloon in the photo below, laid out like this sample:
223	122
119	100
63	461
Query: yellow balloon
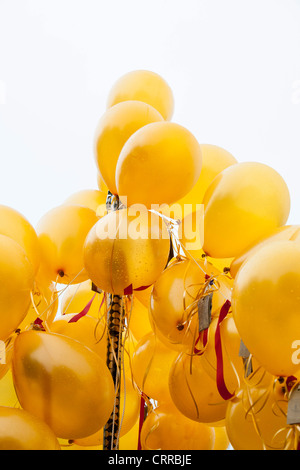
126	251
8	395
159	164
101	184
193	391
129	413
144	296
63	383
221	438
91	198
175	296
62	232
214	160
87	330
16	284
138	319
265	304
288	232
146	86
16	226
77	297
114	129
167	429
256	420
243	204
191	239
20	430
151	363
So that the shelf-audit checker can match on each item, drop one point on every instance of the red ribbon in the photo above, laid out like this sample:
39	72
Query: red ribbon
129	290
223	390
142	419
204	334
84	312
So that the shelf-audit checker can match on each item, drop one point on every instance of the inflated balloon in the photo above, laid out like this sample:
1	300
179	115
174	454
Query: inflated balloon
14	225
243	204
159	164
114	129
288	232
129	413
227	356
214	160
91	198
265	304
77	297
151	363
101	184
221	438
16	284
256	420
175	297
146	86
63	383
138	319
193	392
191	238
86	329
20	430
125	251
8	395
144	295
167	429
62	232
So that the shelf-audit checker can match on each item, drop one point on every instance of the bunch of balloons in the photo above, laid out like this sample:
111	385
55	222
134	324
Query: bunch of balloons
191	267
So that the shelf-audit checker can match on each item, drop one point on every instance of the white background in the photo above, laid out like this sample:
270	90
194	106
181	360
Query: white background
233	66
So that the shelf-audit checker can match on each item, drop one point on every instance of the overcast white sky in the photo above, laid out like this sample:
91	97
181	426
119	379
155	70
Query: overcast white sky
233	65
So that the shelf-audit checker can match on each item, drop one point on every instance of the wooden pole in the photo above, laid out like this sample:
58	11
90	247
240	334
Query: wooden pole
115	322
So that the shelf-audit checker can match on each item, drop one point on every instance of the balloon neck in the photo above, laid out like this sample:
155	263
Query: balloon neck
61	273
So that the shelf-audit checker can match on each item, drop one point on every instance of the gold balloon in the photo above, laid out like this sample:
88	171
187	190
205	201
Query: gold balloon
91	198
87	330
16	284
288	232
114	129
265	304
151	363
62	232
193	391
63	383
129	413
159	164
214	160
20	430
138	319
243	204
76	298
125	251
165	428
14	225
256	420
175	296
146	86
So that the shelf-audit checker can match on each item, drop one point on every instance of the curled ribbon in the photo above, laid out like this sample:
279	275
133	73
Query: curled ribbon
223	390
